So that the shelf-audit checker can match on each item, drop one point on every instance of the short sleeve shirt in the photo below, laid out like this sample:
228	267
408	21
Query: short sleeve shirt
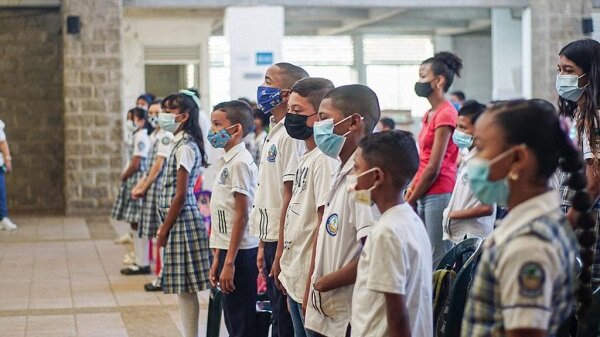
141	143
445	115
166	142
185	156
396	259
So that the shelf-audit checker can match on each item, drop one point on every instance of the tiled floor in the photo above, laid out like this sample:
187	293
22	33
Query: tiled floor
59	276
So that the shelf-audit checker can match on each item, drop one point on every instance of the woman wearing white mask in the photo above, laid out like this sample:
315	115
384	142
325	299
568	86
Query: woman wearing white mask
578	85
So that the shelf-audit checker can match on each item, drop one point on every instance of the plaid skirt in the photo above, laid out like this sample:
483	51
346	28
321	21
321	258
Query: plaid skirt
187	258
150	219
125	208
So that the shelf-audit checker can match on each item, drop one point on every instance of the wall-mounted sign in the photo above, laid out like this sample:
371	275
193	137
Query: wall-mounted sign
264	58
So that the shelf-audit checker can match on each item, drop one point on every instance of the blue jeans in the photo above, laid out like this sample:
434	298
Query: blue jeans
298	319
282	322
430	209
3	204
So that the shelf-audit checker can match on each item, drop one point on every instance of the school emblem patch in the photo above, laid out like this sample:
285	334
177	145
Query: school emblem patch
272	153
531	279
166	140
141	146
224	175
332	223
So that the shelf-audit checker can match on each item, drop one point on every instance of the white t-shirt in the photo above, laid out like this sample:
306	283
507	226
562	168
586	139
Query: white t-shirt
463	198
185	156
141	143
165	141
278	164
396	259
344	224
237	173
2	139
311	187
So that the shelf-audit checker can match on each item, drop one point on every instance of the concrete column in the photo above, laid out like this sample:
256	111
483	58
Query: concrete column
92	99
506	55
443	43
359	63
254	35
526	36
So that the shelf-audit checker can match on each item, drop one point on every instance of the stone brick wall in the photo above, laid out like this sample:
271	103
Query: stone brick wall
31	105
92	99
554	24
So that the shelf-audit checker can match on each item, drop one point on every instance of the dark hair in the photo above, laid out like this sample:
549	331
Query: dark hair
536	124
290	74
313	88
194	91
156	101
237	112
395	152
459	94
142	114
146	98
264	118
386	121
185	103
472	110
357	98
586	54
445	64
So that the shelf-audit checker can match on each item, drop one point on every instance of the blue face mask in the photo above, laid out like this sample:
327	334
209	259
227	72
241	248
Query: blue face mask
462	140
268	98
327	141
167	122
219	139
488	192
568	88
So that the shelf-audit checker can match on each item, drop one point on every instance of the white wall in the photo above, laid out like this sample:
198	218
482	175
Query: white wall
507	55
476	79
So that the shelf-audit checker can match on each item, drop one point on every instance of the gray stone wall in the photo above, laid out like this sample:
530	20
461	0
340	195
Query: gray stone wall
92	99
31	105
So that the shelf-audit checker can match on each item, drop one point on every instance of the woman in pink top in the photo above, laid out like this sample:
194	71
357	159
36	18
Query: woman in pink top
432	186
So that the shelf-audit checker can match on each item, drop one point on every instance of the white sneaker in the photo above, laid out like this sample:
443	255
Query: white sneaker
125	238
129	258
8	225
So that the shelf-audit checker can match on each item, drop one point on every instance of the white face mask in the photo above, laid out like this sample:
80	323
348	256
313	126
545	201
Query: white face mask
361	196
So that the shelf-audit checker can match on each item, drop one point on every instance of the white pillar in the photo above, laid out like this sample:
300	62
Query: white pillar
254	35
507	65
527	76
443	43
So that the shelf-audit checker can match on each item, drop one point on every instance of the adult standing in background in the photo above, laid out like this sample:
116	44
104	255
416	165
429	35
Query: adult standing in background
5	167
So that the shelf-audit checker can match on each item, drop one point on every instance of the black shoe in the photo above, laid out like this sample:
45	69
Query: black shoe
152	287
136	270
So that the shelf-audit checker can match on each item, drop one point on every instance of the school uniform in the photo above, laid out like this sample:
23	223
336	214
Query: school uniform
278	165
526	276
312	185
186	260
125	208
344	224
162	145
463	198
396	259
236	174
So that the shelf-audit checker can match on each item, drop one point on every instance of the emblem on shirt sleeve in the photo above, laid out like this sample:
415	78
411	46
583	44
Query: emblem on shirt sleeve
141	146
224	175
332	223
531	279
272	153
166	140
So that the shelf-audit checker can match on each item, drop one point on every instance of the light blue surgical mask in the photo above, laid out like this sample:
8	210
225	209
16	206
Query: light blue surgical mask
462	140
327	141
488	192
568	88
167	122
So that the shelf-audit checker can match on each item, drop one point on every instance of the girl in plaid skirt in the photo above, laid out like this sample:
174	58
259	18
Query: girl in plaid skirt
182	232
150	186
125	207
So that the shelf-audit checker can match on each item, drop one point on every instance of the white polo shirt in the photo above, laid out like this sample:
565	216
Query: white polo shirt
463	198
236	173
141	143
344	224
312	184
2	139
166	142
279	160
396	259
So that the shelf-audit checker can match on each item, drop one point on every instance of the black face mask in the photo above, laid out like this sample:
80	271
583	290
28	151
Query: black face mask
423	89
295	125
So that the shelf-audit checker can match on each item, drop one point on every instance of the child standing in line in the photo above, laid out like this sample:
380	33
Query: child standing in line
234	268
465	215
149	187
314	176
392	295
5	168
346	114
125	207
186	255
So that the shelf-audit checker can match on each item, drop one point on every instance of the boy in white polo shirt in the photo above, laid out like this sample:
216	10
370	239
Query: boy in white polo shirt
277	169
235	250
311	186
392	295
346	114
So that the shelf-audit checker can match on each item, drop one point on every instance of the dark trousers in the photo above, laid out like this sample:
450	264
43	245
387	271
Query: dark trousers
282	321
3	204
239	307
